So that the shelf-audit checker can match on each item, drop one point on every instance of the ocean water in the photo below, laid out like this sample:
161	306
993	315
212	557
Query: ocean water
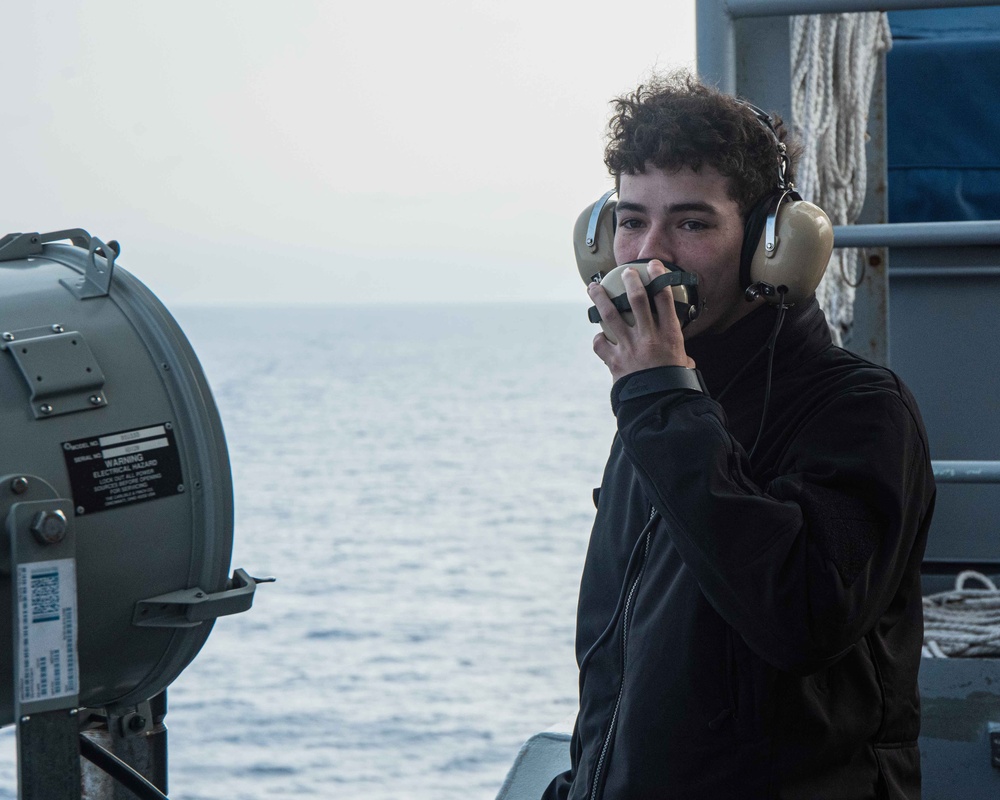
419	481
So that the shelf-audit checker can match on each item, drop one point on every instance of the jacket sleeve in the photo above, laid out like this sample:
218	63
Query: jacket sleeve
804	566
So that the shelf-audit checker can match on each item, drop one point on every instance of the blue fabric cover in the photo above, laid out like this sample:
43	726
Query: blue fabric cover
943	81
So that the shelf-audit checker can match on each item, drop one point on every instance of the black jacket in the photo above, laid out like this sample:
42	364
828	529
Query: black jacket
752	629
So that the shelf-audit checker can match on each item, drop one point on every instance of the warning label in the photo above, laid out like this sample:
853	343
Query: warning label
122	468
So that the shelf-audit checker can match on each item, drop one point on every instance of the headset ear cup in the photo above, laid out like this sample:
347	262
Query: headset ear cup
803	245
596	257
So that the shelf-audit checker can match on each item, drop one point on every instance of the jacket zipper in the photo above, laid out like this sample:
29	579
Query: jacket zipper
626	615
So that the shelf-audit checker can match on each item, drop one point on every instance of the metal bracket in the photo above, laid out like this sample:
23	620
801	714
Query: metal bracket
59	368
96	281
135	722
48	755
189	607
44	597
97	278
15	246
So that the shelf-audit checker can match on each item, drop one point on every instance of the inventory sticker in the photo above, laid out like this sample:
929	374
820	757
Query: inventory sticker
46	646
121	468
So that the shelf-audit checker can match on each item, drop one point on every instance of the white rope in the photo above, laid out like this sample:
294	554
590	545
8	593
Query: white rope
963	622
834	59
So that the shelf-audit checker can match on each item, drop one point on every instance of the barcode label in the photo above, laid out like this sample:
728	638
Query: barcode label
44	597
47	640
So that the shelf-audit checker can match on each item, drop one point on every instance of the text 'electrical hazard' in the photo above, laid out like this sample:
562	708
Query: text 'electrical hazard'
117	469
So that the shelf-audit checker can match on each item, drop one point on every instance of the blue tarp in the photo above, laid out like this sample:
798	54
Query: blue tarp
943	114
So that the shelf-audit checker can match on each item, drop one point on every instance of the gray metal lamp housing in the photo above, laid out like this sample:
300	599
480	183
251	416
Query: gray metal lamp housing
116	500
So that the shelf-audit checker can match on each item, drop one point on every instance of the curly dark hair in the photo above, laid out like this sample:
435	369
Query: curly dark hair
675	121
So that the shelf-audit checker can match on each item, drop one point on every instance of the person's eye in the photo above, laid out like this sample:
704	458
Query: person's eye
694	225
629	223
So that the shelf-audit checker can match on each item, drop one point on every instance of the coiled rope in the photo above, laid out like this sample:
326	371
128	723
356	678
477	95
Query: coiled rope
834	61
964	621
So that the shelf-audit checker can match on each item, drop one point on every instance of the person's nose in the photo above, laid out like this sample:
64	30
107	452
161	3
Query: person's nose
656	244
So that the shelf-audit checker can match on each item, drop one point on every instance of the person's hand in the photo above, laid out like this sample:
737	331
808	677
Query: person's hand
654	341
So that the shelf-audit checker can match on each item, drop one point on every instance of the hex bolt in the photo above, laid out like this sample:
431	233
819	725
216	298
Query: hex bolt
57	328
45	409
137	723
19	485
8	337
96	400
50	526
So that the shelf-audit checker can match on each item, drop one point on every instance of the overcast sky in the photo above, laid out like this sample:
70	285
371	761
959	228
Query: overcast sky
324	152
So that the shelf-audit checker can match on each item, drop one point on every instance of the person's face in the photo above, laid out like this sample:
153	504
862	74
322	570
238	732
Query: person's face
688	218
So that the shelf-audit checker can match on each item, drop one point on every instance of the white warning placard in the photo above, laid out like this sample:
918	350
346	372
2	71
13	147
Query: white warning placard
47	631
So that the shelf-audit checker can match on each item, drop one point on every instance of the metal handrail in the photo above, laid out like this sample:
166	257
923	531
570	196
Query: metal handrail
715	32
738	9
966	471
919	234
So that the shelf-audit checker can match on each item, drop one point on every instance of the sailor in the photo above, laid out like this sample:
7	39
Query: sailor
749	621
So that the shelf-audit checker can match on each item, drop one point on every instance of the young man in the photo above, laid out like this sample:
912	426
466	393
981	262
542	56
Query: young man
749	625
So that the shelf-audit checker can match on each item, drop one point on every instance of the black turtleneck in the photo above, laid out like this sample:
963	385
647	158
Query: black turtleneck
721	356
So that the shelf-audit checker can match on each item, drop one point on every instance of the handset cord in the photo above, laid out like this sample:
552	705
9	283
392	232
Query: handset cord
742	370
125	774
782	308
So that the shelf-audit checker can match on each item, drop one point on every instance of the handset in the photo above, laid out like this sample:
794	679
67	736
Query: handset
683	285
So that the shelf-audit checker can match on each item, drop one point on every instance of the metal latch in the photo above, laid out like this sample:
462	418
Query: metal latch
59	368
189	607
993	728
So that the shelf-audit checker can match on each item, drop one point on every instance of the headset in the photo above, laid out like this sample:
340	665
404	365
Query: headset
787	243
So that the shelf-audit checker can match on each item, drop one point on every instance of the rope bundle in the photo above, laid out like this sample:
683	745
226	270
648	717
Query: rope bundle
834	60
963	622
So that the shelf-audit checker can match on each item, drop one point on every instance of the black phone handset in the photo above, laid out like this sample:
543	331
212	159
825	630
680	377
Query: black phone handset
684	286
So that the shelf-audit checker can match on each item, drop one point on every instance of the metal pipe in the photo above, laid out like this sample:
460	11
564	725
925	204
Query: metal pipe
944	272
966	471
715	44
919	234
738	9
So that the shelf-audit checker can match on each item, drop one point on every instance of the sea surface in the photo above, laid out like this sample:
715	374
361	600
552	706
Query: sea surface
418	480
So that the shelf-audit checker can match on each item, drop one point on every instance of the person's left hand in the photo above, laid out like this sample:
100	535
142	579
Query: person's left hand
654	341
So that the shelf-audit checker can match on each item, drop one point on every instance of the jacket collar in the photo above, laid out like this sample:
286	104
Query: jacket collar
721	356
